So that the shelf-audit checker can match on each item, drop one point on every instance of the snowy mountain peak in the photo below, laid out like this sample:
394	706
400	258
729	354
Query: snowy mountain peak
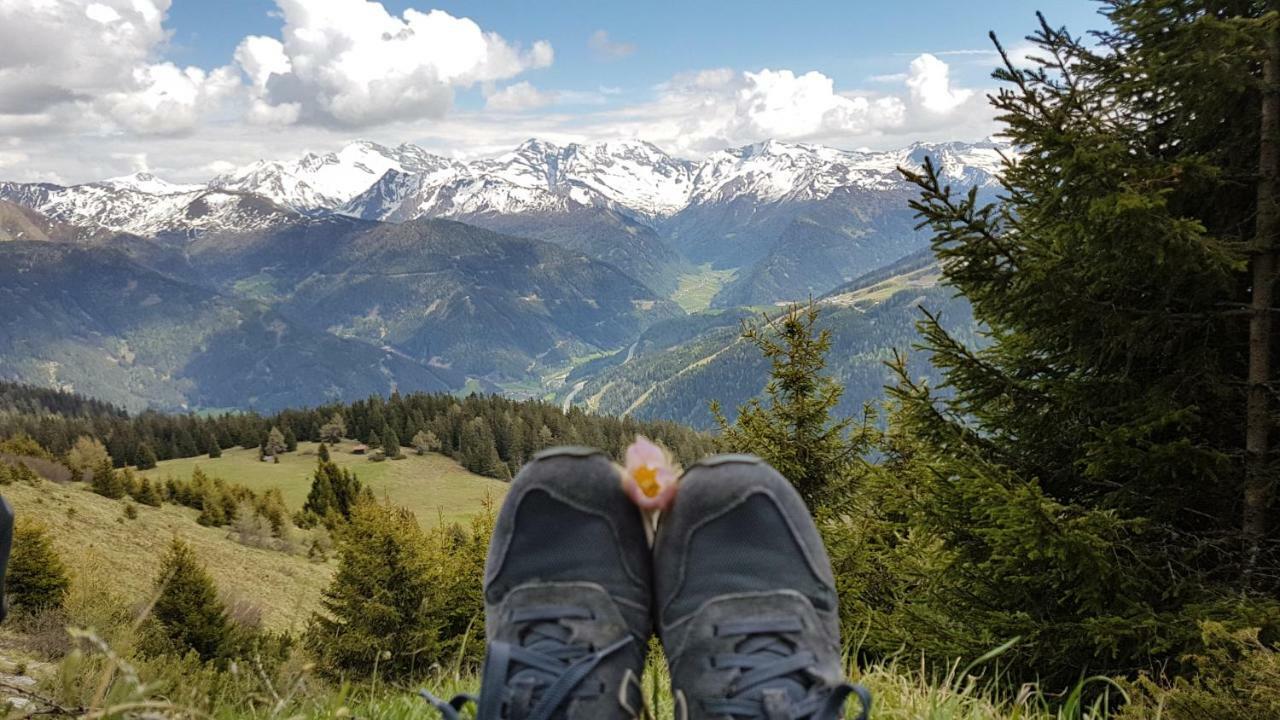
145	182
321	182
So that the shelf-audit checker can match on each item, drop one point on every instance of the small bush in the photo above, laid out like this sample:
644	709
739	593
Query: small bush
130	511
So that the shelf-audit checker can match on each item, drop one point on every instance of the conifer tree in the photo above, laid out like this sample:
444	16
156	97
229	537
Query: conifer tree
187	614
373	610
793	427
36	579
106	482
215	450
390	442
146	457
1079	481
290	440
323	452
274	443
147	494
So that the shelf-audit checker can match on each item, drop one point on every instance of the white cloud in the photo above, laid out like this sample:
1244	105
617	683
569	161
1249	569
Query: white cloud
84	91
351	63
518	97
929	80
608	49
261	57
704	111
167	99
67	65
523	97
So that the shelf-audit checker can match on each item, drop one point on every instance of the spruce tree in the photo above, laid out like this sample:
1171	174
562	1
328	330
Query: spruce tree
274	442
147	494
187	614
290	440
323	452
373	611
107	482
390	443
1078	482
793	427
36	578
146	457
215	450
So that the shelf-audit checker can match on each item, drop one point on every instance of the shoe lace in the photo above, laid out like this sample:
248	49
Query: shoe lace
774	680
533	679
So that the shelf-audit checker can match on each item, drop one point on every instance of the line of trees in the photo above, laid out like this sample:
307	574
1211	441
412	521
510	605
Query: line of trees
489	435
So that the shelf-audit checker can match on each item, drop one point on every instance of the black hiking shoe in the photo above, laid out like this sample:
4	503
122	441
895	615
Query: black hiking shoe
745	599
567	597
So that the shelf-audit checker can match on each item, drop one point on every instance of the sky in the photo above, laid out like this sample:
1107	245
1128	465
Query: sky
188	89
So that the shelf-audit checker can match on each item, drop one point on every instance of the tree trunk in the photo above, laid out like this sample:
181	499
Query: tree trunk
1257	490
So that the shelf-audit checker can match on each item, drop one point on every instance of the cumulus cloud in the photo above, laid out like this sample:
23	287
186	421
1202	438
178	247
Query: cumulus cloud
166	99
708	110
73	72
929	80
65	63
351	63
606	48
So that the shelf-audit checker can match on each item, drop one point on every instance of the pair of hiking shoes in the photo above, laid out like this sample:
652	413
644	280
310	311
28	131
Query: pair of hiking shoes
738	585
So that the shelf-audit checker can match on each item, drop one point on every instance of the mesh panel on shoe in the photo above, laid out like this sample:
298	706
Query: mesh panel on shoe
552	541
747	550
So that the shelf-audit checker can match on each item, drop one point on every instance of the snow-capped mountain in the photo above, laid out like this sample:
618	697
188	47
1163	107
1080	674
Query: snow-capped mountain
774	171
794	219
145	182
148	206
537	177
646	183
319	183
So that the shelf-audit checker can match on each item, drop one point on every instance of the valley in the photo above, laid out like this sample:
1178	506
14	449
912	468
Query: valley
611	276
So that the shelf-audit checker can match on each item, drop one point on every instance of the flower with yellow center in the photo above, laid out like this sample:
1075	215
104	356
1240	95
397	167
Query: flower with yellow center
649	476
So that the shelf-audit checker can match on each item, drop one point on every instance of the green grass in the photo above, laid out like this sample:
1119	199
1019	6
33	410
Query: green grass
927	277
433	486
695	290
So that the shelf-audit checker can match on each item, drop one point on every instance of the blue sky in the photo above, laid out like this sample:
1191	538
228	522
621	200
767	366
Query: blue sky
849	40
190	88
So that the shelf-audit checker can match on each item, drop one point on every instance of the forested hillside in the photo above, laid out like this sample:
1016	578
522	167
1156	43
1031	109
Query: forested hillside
490	435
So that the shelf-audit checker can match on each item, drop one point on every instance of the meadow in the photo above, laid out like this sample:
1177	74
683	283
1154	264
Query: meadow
436	488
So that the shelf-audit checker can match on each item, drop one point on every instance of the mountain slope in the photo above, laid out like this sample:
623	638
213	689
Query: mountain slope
20	223
677	377
800	219
476	301
91	320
